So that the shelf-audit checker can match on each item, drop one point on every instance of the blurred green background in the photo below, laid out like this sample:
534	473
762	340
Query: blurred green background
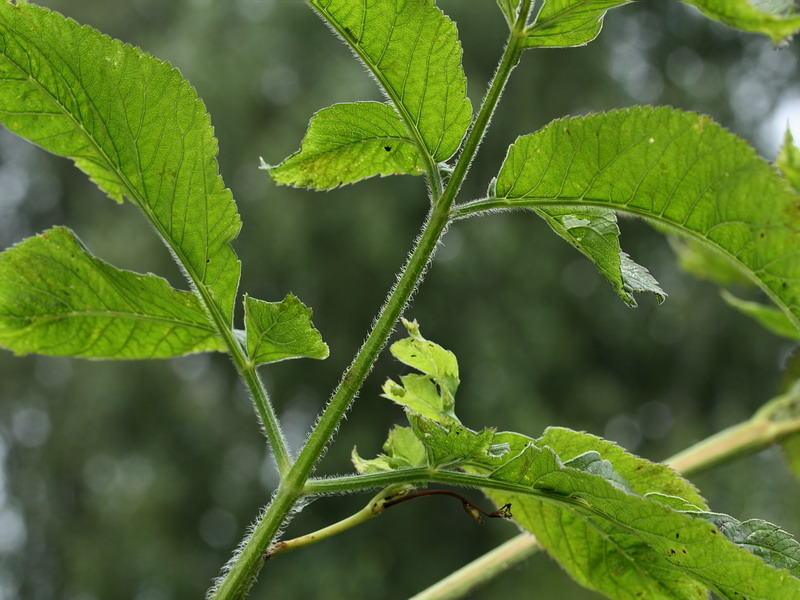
136	480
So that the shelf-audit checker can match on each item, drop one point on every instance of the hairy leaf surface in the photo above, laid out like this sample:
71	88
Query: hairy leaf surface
133	124
563	23
280	330
412	49
349	142
678	169
595	234
779	19
58	299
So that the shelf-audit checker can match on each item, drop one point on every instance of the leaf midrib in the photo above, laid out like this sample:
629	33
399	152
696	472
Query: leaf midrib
133	193
430	162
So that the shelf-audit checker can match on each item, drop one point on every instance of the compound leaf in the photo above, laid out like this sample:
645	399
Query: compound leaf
134	125
677	169
563	23
58	299
280	330
349	142
779	19
413	51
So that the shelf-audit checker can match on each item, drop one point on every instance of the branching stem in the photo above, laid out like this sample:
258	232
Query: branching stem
237	581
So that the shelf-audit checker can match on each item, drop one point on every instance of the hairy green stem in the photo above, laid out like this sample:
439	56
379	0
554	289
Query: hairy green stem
245	567
735	442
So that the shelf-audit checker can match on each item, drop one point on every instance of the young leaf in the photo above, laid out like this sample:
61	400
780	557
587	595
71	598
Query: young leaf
280	330
452	445
412	49
433	393
678	169
779	19
134	125
58	299
788	161
595	234
403	450
349	142
563	23
771	318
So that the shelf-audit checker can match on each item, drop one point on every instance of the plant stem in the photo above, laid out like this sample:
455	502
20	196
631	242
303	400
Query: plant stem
245	567
375	507
459	583
508	61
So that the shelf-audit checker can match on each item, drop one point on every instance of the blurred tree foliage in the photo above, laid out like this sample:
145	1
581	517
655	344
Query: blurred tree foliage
136	480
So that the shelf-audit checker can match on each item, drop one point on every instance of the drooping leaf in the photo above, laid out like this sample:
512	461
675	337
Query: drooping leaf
403	450
349	142
413	51
431	394
788	161
58	299
779	19
134	125
678	169
771	318
704	262
563	23
280	330
595	234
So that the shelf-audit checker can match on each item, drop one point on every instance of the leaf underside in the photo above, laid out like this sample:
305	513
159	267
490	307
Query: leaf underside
133	124
413	51
349	142
677	169
281	330
778	19
564	23
57	299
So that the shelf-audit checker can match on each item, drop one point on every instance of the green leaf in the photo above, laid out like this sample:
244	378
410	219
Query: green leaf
280	330
595	234
788	161
134	125
403	450
778	19
349	142
781	416
452	445
563	23
412	49
771	318
767	541
613	539
58	299
509	9
678	169
706	263
433	393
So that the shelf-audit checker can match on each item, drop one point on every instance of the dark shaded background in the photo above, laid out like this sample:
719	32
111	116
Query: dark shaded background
136	480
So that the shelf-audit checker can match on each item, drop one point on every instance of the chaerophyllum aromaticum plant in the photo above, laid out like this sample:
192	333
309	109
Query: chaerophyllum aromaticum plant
617	523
